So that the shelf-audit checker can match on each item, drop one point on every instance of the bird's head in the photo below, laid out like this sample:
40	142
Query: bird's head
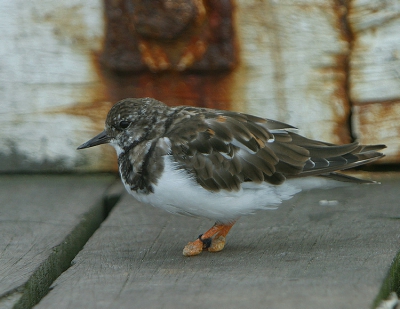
130	122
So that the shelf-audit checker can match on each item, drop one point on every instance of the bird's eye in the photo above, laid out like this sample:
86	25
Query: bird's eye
123	124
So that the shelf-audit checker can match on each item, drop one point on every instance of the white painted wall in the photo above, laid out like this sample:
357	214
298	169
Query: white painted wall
292	68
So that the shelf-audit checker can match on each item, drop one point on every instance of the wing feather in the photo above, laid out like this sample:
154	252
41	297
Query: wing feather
224	149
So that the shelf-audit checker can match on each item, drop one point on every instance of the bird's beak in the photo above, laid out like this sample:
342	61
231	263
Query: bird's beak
99	139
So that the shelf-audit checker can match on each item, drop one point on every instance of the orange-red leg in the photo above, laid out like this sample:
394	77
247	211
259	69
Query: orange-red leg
213	240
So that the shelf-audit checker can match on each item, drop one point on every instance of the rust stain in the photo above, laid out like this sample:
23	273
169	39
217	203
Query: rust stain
343	10
374	112
340	97
165	20
341	94
98	104
213	91
96	111
378	122
192	64
182	56
169	35
154	57
69	25
386	103
179	52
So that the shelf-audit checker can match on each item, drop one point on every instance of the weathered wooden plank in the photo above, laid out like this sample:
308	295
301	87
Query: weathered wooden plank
308	254
44	222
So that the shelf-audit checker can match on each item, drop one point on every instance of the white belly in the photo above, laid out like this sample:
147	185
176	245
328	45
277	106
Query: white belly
177	193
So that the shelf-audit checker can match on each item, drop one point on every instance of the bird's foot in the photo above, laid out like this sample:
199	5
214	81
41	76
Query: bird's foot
217	244
193	248
213	240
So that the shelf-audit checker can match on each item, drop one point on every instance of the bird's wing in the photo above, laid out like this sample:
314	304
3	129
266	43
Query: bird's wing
224	149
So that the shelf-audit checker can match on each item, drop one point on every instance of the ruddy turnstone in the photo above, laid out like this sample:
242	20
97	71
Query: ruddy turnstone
218	164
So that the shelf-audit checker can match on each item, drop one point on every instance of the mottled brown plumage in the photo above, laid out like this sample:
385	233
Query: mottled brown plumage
224	149
213	155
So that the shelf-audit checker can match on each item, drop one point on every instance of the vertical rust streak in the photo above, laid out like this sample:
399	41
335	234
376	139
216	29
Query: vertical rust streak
342	7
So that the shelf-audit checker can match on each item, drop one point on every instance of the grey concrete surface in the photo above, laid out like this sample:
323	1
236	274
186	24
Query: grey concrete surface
44	222
322	249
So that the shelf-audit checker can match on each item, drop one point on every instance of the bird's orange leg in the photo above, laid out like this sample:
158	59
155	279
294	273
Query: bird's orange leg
213	240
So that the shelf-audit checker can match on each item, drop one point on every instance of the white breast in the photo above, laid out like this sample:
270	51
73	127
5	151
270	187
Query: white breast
176	192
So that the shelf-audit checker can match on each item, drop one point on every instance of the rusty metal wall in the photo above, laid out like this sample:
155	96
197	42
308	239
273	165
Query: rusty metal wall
330	68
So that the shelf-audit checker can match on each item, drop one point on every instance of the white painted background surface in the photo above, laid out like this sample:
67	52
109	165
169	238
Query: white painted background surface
297	65
45	66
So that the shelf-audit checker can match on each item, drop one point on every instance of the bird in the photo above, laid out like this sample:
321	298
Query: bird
219	164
